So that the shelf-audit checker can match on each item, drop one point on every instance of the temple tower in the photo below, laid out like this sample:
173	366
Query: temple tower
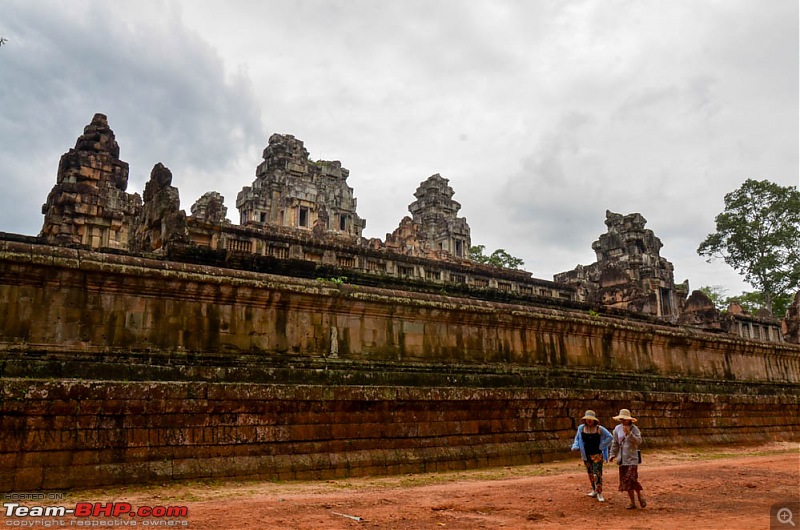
89	205
291	190
629	272
436	213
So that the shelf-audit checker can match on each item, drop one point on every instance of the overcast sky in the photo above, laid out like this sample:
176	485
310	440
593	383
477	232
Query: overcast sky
542	114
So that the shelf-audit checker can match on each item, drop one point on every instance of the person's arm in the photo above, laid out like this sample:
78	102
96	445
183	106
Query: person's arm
636	435
614	446
576	445
605	441
605	438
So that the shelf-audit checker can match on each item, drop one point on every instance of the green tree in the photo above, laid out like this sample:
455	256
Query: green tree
498	258
753	301
758	234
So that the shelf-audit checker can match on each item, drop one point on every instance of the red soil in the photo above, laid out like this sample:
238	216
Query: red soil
712	487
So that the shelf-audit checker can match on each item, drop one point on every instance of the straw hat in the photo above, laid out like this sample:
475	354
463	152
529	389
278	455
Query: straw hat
624	414
590	415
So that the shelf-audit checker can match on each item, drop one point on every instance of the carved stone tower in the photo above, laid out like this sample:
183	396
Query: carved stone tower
89	205
629	272
437	215
291	190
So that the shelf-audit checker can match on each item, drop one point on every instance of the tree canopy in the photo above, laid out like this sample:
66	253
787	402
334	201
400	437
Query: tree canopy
498	258
758	235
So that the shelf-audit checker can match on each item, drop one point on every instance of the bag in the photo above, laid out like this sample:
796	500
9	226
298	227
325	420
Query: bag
639	456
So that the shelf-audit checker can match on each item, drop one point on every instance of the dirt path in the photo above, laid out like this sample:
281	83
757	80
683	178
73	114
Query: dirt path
697	488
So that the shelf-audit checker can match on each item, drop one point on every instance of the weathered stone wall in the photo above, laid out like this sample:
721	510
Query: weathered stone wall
60	298
122	369
65	434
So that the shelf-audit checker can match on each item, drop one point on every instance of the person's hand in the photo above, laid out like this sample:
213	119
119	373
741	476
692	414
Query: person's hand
626	429
611	459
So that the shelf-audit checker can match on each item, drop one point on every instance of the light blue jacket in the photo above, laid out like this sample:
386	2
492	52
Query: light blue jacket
605	442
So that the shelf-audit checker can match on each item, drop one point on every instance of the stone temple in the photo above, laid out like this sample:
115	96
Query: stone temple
304	210
140	343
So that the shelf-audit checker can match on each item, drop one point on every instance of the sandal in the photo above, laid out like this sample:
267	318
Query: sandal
643	503
630	507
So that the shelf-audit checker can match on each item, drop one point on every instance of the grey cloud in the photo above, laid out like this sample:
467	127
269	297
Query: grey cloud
165	91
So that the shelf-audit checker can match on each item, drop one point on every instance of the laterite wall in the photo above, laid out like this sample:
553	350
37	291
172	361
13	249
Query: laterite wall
59	434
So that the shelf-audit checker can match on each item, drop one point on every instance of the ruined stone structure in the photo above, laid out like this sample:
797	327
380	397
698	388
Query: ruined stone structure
131	369
210	208
304	212
699	311
89	205
197	348
629	272
291	190
436	213
161	220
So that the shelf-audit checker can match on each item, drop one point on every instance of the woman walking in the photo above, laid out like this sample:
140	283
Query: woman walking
625	449
592	439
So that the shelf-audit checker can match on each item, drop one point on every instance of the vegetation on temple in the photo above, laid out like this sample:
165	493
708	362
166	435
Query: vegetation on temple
758	234
498	258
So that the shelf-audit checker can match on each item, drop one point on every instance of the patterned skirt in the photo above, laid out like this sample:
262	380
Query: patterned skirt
629	478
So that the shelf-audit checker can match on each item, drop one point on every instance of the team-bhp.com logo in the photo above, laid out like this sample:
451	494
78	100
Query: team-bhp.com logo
89	513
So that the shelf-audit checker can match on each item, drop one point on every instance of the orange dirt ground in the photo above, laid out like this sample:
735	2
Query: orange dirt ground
710	487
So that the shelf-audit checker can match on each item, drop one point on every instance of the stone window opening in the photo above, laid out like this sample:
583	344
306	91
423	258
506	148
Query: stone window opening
263	217
459	248
373	265
342	223
303	216
405	272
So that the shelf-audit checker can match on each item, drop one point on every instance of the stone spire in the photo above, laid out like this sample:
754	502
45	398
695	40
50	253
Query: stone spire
89	205
161	220
436	213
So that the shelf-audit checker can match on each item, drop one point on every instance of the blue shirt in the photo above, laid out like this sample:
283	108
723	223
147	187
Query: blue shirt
605	442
